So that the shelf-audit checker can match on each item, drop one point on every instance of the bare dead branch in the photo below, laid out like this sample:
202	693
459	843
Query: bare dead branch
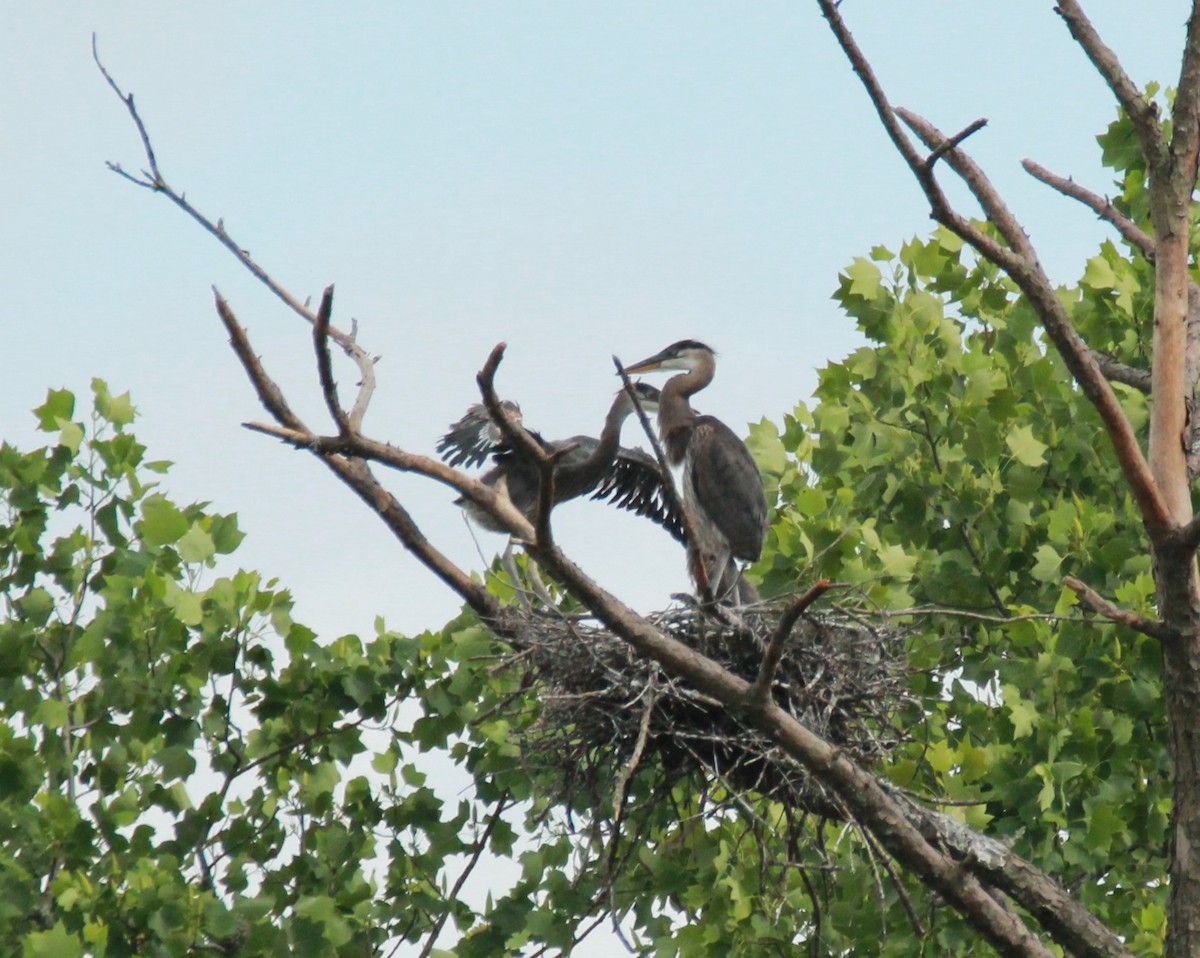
954	141
760	691
1134	102
1133	234
156	182
355	473
622	783
361	447
1022	265
522	442
1096	602
268	392
324	366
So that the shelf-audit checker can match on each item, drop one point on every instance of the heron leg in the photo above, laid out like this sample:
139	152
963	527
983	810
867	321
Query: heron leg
722	576
509	561
535	583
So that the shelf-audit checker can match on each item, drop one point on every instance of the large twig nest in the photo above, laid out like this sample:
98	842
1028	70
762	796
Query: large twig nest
607	709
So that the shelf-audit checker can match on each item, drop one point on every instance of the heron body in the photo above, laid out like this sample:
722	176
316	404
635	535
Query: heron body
627	478
722	487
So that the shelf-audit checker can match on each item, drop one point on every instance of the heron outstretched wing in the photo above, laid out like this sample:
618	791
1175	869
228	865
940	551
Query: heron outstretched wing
635	482
475	437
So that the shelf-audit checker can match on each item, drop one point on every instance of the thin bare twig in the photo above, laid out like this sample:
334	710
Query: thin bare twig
954	141
523	444
324	366
480	847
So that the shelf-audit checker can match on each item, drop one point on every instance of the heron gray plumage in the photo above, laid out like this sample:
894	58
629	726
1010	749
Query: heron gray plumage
626	478
722	487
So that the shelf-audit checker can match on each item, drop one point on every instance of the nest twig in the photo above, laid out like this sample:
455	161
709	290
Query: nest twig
607	710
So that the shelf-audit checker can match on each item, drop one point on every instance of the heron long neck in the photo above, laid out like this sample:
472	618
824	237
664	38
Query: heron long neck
575	479
676	418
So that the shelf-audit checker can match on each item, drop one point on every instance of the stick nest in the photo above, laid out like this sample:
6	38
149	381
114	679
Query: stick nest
608	711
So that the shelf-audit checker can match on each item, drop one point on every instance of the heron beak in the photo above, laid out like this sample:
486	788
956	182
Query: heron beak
647	365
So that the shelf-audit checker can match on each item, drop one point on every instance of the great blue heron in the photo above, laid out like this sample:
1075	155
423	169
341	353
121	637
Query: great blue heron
627	478
722	487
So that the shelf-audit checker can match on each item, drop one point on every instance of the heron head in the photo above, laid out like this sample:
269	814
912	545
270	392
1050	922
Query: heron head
647	397
686	354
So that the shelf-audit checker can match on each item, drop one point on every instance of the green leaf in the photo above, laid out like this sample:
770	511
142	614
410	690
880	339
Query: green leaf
59	407
52	713
185	604
116	409
196	545
162	522
1023	714
1047	564
1025	447
865	279
1099	274
55	943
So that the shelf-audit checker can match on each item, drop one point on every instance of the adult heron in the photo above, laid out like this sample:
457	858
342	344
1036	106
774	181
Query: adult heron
627	478
722	487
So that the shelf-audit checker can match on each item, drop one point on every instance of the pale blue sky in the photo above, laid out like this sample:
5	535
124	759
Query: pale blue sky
577	179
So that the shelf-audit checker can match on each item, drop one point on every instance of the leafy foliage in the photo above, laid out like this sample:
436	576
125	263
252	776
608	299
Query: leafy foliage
952	464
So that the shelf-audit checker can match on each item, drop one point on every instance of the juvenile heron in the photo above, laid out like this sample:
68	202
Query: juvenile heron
722	487
627	478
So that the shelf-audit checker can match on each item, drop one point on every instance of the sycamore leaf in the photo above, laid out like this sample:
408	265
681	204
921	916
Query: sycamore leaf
1022	714
865	278
162	522
1047	562
196	545
59	406
1099	274
1025	447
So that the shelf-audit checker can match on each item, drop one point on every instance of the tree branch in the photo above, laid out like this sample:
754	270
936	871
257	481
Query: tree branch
356	474
324	366
1020	261
480	847
1133	234
1117	372
1096	602
760	691
1134	102
862	793
523	443
1073	927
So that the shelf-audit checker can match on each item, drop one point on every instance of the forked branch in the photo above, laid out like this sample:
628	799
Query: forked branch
1020	261
1134	102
